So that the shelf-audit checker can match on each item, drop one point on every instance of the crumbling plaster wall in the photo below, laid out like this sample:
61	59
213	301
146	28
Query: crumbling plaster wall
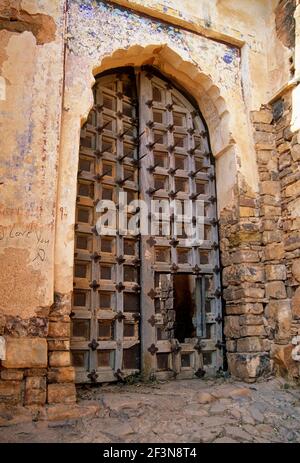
31	69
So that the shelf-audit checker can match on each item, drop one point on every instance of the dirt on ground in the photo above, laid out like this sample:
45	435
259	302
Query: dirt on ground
187	411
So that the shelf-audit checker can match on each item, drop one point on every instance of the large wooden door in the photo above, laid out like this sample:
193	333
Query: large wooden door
149	300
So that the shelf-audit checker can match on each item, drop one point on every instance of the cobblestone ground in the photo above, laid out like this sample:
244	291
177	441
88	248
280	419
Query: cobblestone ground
176	411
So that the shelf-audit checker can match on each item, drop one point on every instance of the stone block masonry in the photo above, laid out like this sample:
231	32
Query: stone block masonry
260	254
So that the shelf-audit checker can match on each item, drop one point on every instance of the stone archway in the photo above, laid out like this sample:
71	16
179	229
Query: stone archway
78	100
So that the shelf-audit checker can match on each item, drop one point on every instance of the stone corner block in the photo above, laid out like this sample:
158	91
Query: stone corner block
249	366
25	353
64	393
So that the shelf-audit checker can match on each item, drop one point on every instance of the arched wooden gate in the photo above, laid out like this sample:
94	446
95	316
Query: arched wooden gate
149	300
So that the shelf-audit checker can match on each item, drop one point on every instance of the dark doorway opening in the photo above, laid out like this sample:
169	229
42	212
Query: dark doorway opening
184	306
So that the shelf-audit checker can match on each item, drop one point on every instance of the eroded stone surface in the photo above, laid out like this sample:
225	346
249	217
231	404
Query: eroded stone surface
182	411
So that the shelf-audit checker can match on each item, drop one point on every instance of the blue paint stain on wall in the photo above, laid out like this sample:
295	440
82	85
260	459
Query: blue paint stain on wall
228	58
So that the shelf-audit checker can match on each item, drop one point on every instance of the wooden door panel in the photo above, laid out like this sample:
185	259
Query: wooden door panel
145	139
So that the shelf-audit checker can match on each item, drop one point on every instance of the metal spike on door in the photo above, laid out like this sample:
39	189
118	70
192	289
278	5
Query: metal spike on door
200	345
119	375
153	349
93	345
152	293
94	285
120	316
93	376
120	287
151	242
200	373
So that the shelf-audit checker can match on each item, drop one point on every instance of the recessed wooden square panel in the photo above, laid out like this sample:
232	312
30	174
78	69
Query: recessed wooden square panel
157	94
129	129
183	256
162	362
207	358
108	169
160	182
107	244
129	329
80	359
129	247
86	189
158	116
106	330
81	269
208	306
80	298
209	285
106	358
88	141
181	184
199	163
108	144
109	85
84	242
186	360
161	334
207	232
179	140
106	300
161	159
130	273
157	305
131	358
85	163
180	162
106	272
204	256
128	109
109	102
176	101
179	119
109	123
201	188
107	193
80	329
159	137
131	302
198	142
84	214
129	173
129	150
162	254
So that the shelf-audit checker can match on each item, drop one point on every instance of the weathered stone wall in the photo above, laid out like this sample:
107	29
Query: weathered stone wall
287	315
260	249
